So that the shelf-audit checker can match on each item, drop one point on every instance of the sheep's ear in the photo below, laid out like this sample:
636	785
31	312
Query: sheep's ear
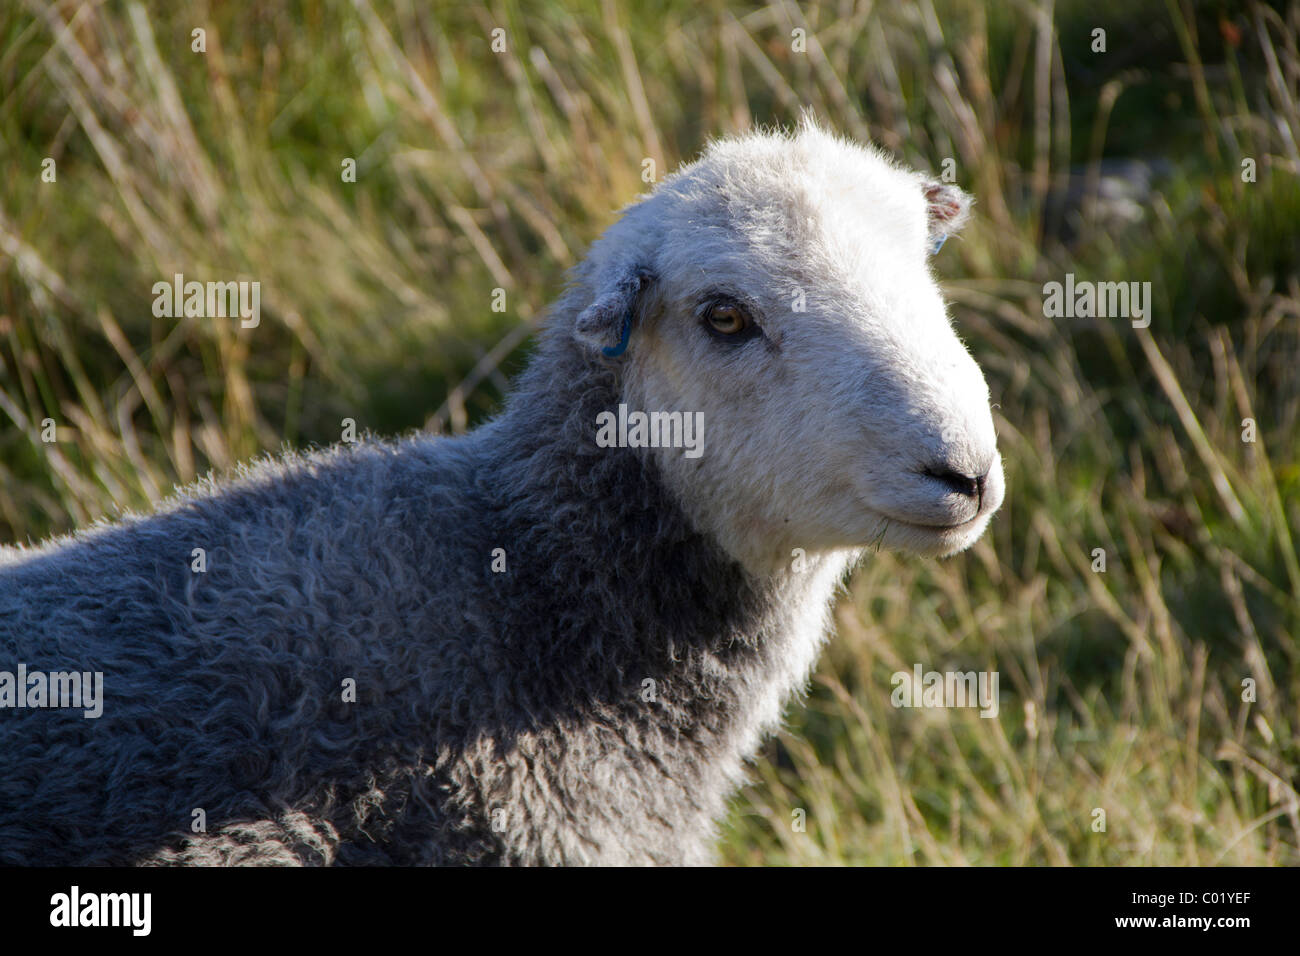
947	209
606	324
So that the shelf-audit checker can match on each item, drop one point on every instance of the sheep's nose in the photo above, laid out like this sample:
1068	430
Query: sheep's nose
970	487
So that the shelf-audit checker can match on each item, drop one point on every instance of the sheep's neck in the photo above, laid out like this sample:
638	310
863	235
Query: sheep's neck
613	592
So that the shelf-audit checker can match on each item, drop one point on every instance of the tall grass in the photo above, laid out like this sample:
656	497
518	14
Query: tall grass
479	171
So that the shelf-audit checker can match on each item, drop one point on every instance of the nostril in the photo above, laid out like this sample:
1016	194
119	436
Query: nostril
959	483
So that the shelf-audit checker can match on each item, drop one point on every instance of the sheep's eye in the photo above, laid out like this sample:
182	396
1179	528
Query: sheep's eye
727	319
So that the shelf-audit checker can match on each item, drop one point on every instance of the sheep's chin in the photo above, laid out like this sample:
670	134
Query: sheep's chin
929	541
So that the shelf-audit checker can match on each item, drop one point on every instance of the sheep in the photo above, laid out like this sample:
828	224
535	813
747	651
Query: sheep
519	645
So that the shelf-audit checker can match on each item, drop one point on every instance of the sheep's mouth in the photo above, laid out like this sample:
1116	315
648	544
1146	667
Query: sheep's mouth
929	539
940	518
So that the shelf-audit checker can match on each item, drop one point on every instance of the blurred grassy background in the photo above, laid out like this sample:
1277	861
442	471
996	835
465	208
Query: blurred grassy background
479	170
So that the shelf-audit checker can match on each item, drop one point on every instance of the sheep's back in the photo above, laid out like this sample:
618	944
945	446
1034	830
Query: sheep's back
226	689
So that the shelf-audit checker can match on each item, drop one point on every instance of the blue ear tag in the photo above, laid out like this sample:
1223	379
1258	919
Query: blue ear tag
614	351
938	244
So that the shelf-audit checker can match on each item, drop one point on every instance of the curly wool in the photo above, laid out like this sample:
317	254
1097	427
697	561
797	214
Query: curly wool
499	717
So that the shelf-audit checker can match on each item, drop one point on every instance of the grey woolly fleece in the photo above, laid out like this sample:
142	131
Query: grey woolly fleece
501	718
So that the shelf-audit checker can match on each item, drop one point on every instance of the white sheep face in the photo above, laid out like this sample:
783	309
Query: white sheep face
790	300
